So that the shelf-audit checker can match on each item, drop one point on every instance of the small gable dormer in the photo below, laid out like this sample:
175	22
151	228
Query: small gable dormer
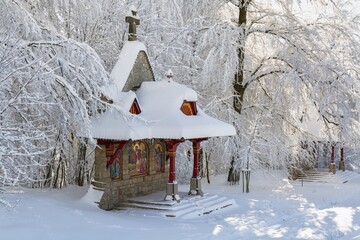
189	108
135	108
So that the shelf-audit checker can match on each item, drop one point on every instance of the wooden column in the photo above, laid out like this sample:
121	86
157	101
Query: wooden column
196	151
172	186
172	168
195	181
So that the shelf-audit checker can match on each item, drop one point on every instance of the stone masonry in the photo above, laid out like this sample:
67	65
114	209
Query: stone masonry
117	191
140	72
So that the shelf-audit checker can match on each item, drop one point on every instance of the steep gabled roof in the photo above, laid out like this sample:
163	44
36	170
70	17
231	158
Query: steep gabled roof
158	112
133	57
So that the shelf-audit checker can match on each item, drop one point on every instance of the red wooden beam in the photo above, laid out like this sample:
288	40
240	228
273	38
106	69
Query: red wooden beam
117	151
108	141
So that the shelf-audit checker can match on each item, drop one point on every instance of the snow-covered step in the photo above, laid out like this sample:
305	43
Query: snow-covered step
203	207
189	206
157	202
214	205
100	186
327	177
197	206
344	176
144	206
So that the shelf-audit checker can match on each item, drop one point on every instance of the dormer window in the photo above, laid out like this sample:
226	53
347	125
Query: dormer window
135	108
189	108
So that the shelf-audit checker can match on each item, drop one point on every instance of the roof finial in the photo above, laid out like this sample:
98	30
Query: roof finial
169	75
133	20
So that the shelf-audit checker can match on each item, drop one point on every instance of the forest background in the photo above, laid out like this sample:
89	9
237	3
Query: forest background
285	73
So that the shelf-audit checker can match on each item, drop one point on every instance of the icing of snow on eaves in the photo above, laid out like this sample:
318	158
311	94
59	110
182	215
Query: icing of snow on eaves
160	117
119	125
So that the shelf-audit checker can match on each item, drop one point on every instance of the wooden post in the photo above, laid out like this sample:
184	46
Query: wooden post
195	181
196	151
172	186
172	170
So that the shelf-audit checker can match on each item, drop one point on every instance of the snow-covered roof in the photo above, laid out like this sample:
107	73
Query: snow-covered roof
160	117
118	125
161	102
125	99
123	66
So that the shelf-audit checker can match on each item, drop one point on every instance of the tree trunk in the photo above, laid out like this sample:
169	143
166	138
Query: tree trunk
60	174
82	173
207	156
238	84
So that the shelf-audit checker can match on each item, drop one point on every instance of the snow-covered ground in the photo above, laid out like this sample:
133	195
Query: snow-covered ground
275	208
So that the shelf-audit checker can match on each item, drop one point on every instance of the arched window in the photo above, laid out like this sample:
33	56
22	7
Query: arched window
138	158
159	157
189	108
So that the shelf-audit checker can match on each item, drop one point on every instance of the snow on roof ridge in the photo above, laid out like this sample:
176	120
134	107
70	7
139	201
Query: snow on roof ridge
188	93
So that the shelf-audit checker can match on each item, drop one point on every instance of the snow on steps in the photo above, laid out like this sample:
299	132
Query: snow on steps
100	186
323	175
188	207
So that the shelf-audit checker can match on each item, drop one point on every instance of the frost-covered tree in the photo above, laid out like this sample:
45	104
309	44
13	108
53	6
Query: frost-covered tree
291	66
290	62
270	68
49	87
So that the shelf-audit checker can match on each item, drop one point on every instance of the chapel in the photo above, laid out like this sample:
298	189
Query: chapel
139	132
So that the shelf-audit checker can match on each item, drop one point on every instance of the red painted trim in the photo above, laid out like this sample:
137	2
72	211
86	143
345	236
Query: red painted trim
109	149
109	142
